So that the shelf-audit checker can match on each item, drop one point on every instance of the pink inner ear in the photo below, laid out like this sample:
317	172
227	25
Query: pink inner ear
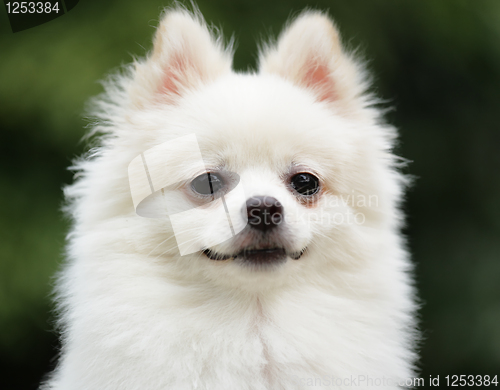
318	77
175	70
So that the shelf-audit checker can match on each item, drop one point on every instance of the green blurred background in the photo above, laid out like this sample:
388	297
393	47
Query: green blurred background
436	62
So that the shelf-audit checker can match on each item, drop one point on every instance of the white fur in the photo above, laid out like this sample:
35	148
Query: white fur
136	315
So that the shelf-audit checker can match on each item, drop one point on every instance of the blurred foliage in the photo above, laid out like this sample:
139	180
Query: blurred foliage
437	62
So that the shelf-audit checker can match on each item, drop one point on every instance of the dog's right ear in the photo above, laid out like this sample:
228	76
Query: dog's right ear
185	55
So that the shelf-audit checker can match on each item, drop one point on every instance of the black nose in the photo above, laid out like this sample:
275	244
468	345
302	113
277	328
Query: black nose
264	212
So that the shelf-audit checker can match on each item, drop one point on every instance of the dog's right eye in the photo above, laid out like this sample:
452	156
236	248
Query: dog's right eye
207	184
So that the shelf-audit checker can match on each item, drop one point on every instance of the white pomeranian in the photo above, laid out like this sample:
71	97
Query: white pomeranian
276	260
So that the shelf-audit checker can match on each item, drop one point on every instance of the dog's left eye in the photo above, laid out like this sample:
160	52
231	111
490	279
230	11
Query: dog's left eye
207	184
305	183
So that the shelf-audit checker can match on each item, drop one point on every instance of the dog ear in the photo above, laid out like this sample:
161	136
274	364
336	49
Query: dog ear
309	54
185	54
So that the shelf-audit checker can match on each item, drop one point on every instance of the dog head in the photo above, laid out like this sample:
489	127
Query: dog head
289	172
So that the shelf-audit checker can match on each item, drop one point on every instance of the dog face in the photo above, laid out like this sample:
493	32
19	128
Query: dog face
298	139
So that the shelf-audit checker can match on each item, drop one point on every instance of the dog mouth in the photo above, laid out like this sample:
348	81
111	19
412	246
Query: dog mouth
264	256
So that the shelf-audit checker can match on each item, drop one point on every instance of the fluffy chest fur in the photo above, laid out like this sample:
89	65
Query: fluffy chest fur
142	330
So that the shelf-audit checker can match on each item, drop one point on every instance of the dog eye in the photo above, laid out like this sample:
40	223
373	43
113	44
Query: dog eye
305	183
207	184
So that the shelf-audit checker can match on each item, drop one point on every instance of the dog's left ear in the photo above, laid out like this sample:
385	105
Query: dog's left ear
309	54
185	55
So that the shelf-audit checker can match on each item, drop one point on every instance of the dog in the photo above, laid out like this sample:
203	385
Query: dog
237	230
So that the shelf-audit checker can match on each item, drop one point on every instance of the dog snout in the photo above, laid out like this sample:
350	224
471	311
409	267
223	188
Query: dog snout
264	212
